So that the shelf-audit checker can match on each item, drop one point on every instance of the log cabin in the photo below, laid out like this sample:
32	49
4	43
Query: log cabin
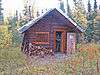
53	29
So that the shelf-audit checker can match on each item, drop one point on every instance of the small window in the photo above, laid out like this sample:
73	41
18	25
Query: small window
41	38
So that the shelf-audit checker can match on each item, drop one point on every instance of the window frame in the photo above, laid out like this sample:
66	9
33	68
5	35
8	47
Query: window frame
48	38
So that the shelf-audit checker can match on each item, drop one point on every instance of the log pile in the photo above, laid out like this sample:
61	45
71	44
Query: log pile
39	51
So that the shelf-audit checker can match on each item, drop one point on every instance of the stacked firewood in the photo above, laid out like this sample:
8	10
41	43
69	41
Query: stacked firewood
39	51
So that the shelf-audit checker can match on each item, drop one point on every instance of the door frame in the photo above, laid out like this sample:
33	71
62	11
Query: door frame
63	40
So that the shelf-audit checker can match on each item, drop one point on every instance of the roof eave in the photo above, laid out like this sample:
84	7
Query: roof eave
30	23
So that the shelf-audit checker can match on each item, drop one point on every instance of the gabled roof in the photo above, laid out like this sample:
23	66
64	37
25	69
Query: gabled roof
32	22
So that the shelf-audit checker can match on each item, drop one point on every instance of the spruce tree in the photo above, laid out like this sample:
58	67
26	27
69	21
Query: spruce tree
95	8
68	10
97	22
89	33
62	6
97	31
16	37
27	11
1	14
89	6
95	5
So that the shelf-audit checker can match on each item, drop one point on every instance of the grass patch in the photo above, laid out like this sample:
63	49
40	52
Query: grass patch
13	62
10	60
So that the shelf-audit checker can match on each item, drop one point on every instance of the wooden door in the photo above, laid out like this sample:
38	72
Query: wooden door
71	41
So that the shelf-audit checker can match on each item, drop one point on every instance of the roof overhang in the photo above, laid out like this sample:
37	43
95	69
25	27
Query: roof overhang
32	22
